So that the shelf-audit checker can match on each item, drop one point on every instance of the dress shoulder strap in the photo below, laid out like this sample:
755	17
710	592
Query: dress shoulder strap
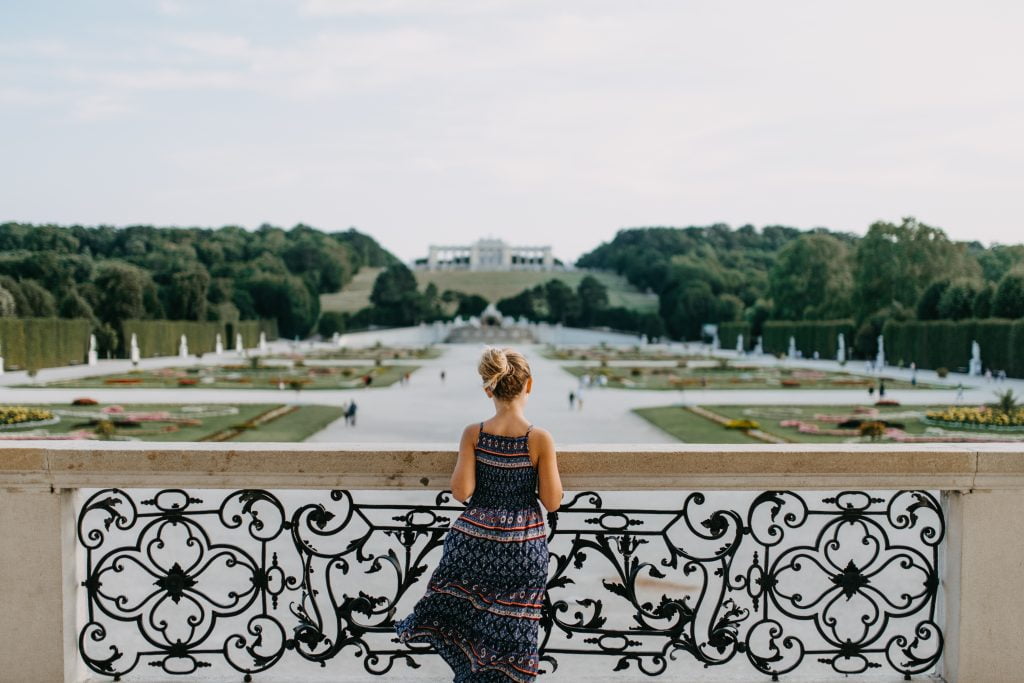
528	430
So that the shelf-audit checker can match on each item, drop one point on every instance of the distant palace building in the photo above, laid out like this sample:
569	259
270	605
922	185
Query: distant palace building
489	254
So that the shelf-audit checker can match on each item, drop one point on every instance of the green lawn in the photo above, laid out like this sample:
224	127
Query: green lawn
770	416
354	295
293	427
732	377
691	428
243	377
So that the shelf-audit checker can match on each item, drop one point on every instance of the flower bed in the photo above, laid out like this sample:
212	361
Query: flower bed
123	380
981	418
14	417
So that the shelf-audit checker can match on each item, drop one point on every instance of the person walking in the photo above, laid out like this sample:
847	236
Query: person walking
350	414
442	376
881	389
572	400
482	606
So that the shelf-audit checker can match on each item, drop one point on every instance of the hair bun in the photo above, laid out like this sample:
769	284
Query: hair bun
504	372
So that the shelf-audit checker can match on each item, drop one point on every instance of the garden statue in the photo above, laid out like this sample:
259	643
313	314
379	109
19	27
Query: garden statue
880	358
239	344
792	347
739	343
841	351
218	346
759	347
263	341
975	364
1	364
183	347
93	353
715	343
134	353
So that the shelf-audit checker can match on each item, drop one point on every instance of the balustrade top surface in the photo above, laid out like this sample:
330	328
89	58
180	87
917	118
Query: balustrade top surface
607	467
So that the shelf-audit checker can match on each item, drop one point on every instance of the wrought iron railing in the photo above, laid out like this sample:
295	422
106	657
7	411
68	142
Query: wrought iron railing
249	580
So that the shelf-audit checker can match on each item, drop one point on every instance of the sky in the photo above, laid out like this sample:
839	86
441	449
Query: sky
538	122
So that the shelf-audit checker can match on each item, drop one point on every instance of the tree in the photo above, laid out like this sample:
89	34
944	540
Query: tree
563	304
895	263
73	305
331	323
983	301
396	301
286	298
121	292
811	278
8	307
688	310
471	305
928	302
1009	298
957	302
39	303
593	298
186	295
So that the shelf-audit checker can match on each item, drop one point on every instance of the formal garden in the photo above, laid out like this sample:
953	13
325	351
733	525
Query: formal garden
256	373
603	354
726	374
884	421
86	418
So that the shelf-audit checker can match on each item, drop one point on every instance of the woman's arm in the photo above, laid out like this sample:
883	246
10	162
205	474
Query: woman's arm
464	477
550	482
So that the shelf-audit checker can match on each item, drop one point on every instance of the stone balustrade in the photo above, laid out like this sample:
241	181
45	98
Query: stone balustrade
978	605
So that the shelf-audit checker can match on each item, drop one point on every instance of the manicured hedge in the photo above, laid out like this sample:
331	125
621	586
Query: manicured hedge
810	335
162	337
728	332
250	331
33	343
947	343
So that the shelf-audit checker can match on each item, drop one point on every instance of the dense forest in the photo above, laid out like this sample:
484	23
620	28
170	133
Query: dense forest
109	275
895	272
715	274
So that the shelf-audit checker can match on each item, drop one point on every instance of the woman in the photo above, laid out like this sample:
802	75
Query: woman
483	602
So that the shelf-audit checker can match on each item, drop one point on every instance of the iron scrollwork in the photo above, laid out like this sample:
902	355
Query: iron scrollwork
846	582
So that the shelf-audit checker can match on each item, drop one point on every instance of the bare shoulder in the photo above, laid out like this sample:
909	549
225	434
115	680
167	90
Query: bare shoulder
471	431
541	439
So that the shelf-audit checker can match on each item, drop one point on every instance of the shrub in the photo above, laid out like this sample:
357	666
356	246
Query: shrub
742	424
942	371
84	401
872	430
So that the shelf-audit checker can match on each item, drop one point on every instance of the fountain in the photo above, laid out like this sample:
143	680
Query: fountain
93	353
880	358
134	353
975	362
841	351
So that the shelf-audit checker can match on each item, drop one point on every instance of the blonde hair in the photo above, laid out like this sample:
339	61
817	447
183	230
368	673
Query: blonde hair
504	372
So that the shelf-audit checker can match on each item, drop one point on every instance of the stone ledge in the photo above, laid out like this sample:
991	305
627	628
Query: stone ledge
616	467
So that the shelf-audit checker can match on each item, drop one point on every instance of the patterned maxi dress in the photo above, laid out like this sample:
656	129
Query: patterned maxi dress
483	602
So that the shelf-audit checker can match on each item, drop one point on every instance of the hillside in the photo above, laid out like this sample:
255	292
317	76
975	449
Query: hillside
491	285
